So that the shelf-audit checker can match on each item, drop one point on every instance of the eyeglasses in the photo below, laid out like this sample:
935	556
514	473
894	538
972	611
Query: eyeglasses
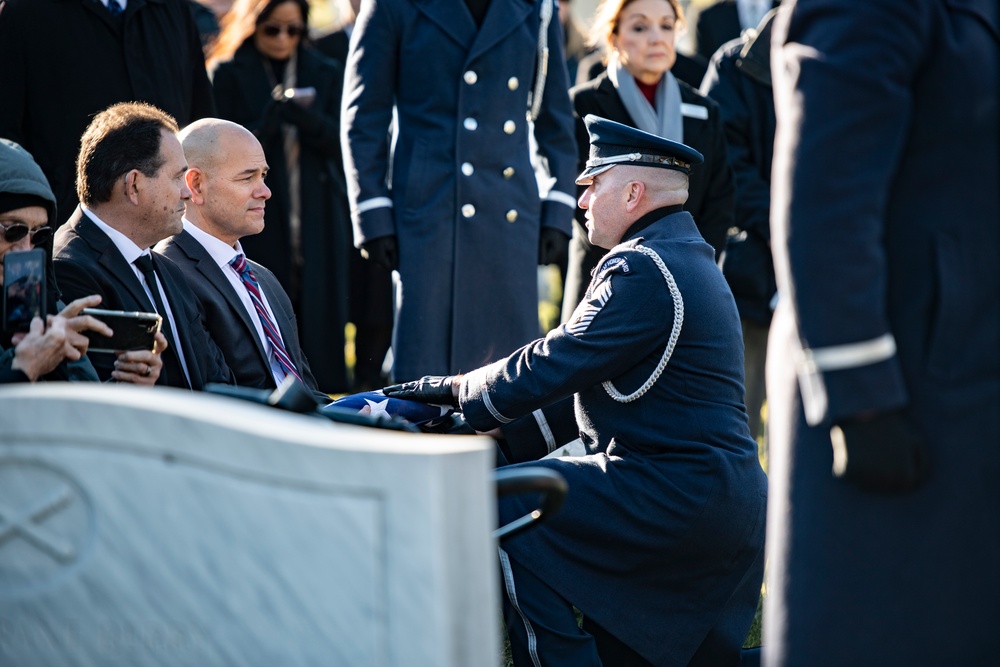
17	231
274	29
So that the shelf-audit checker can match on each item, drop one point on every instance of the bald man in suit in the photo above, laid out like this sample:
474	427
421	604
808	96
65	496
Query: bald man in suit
252	323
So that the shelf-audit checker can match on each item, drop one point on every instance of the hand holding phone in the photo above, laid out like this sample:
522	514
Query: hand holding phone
131	330
23	289
141	367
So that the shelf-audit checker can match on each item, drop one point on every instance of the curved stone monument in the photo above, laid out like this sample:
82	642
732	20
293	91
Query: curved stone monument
163	527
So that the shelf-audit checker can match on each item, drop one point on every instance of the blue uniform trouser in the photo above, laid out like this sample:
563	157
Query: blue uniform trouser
541	624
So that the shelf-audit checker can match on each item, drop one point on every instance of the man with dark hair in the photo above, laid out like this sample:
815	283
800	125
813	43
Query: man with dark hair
54	347
130	180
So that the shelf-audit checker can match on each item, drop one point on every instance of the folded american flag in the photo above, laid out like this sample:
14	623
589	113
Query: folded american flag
376	403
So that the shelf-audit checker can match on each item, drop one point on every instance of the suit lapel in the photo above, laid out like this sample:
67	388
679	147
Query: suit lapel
452	17
111	259
213	274
502	18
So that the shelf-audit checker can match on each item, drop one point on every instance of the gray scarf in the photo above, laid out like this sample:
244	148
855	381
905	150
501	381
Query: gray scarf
665	120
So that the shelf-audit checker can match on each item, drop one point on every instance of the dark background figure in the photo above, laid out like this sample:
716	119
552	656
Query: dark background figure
724	20
66	60
261	55
206	21
884	362
370	297
739	80
639	90
452	201
336	42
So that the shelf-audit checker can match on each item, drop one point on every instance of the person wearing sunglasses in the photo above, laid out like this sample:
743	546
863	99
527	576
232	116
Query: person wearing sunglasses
53	349
269	79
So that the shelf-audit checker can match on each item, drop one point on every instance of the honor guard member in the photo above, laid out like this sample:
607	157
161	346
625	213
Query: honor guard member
474	91
883	373
660	542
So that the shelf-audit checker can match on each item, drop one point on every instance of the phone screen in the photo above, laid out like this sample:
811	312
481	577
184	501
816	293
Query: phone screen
23	288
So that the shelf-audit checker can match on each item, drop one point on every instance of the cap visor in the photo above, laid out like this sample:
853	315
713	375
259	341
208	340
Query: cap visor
587	175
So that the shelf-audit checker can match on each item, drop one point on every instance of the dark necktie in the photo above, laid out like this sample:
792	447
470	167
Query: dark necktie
171	362
115	8
270	329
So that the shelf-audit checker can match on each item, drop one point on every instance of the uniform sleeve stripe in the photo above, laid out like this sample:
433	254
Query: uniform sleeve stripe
838	357
493	411
562	198
543	427
375	202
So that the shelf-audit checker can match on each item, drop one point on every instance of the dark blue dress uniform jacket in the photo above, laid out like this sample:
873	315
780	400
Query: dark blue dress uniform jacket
459	191
891	150
665	518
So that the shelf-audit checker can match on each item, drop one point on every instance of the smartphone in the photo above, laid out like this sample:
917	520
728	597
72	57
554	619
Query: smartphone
23	288
132	330
303	96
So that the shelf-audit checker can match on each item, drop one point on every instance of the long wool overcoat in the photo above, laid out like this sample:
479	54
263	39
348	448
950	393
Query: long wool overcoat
456	184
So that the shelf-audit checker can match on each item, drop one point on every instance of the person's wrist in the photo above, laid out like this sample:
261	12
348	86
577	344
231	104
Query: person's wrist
25	367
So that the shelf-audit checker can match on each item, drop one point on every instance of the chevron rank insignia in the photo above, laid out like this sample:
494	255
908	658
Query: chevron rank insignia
588	310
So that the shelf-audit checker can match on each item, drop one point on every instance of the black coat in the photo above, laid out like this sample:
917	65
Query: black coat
739	80
710	194
229	322
334	45
87	262
318	289
66	60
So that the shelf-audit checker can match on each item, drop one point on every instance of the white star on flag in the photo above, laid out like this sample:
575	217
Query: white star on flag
376	408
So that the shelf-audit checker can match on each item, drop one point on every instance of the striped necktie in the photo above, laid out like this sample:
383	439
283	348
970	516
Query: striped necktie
115	8
270	329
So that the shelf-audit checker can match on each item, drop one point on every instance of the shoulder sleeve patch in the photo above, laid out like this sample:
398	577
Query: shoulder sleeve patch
619	263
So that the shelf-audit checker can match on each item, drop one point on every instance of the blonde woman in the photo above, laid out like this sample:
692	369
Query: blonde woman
637	89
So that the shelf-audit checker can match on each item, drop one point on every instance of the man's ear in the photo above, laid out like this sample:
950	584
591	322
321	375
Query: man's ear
132	186
634	194
195	179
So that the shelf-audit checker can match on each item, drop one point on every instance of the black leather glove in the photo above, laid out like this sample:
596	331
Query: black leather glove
553	246
383	251
435	389
306	120
884	454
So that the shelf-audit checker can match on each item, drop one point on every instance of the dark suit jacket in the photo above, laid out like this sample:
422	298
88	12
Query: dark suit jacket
87	262
228	321
154	56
